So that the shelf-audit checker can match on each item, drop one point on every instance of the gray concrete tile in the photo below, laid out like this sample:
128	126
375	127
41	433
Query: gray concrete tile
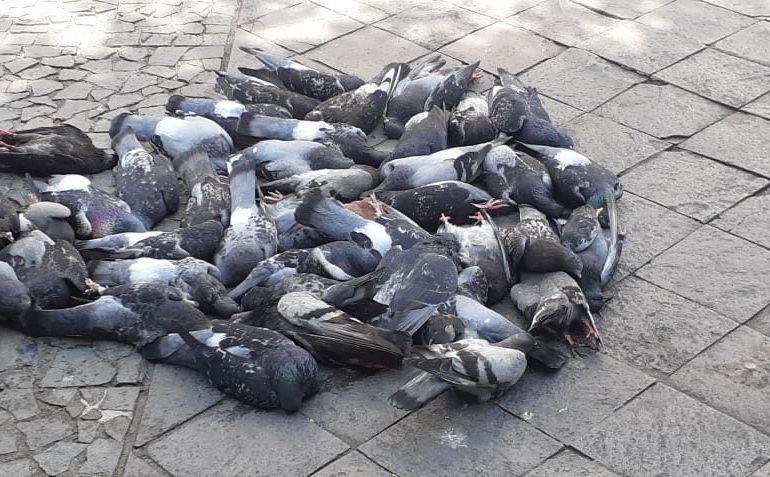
302	27
493	46
568	403
570	464
744	43
749	219
694	185
559	112
761	322
449	437
418	24
239	58
732	377
357	10
563	21
665	432
697	20
641	47
760	107
717	270
253	9
662	111
720	76
287	444
351	465
592	80
739	139
752	8
610	144
656	330
359	411
495	8
366	51
763	472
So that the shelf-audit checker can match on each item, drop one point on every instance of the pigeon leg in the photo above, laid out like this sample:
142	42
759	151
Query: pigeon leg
5	132
3	144
492	204
477	75
376	204
273	197
593	333
573	345
93	288
478	217
444	219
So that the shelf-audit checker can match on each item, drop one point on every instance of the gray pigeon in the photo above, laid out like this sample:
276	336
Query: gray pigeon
14	295
147	183
472	283
276	159
448	92
263	299
252	235
253	91
292	235
424	134
271	271
411	93
209	193
403	231
50	218
341	184
469	122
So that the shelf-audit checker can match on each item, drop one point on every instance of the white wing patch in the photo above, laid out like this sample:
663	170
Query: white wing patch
229	109
60	183
567	158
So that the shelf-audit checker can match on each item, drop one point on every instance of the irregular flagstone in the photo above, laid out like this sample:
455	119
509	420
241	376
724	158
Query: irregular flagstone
57	458
44	430
19	402
166	55
77	367
16	468
74	91
19	65
16	349
101	457
44	86
136	467
7	439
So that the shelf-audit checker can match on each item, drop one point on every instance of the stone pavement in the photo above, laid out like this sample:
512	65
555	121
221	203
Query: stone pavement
672	95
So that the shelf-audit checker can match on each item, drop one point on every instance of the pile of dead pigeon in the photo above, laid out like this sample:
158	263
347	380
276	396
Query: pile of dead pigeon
301	244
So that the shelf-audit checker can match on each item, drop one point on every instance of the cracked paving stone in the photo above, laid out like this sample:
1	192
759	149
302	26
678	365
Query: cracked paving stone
77	367
415	24
567	403
662	111
38	72
697	20
749	219
21	64
117	427
719	76
129	368
158	40
570	464
656	330
740	139
111	80
16	468
717	270
74	91
37	51
641	47
138	81
58	396
610	144
136	467
123	39
189	40
162	71
67	61
123	65
175	395
623	8
264	436
478	439
101	457
7	440
201	52
44	86
87	431
493	46
57	458
133	53
359	411
42	431
19	402
15	348
665	432
352	464
563	21
166	56
732	377
592	80
696	186
100	94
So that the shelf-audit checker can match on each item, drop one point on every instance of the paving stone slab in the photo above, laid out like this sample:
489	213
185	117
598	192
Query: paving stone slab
695	185
351	465
715	269
744	43
449	437
19	402
662	111
166	55
353	9
656	330
559	112
16	468
760	107
57	458
175	395
623	8
102	457
44	430
74	91
569	402
763	472
271	438
494	8
697	20
136	467
720	76
417	24
365	51
739	139
493	46
749	219
665	432
358	412
732	377
641	47
16	349
570	464
761	322
77	367
7	439
563	21
592	80
253	9
298	27
754	8
247	39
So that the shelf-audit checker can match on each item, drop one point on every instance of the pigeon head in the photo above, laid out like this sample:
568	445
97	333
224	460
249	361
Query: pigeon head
394	128
523	342
112	221
14	298
441	328
542	132
350	82
552	313
294	377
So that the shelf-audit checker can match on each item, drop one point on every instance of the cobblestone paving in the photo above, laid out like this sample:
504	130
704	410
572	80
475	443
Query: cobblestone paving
672	95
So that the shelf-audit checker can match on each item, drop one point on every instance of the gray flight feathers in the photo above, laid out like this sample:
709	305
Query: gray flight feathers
581	228
270	271
175	136
403	231
363	106
410	95
252	235
15	297
447	94
554	302
474	367
50	218
424	134
334	336
221	111
198	241
305	80
255	91
254	365
52	270
332	218
472	283
146	182
520	180
277	160
209	193
413	283
457	163
95	213
341	184
132	314
263	299
469	122
61	149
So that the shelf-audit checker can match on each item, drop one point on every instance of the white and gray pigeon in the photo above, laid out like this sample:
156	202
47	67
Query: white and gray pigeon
469	122
209	193
247	90
276	159
342	184
424	134
15	299
146	182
